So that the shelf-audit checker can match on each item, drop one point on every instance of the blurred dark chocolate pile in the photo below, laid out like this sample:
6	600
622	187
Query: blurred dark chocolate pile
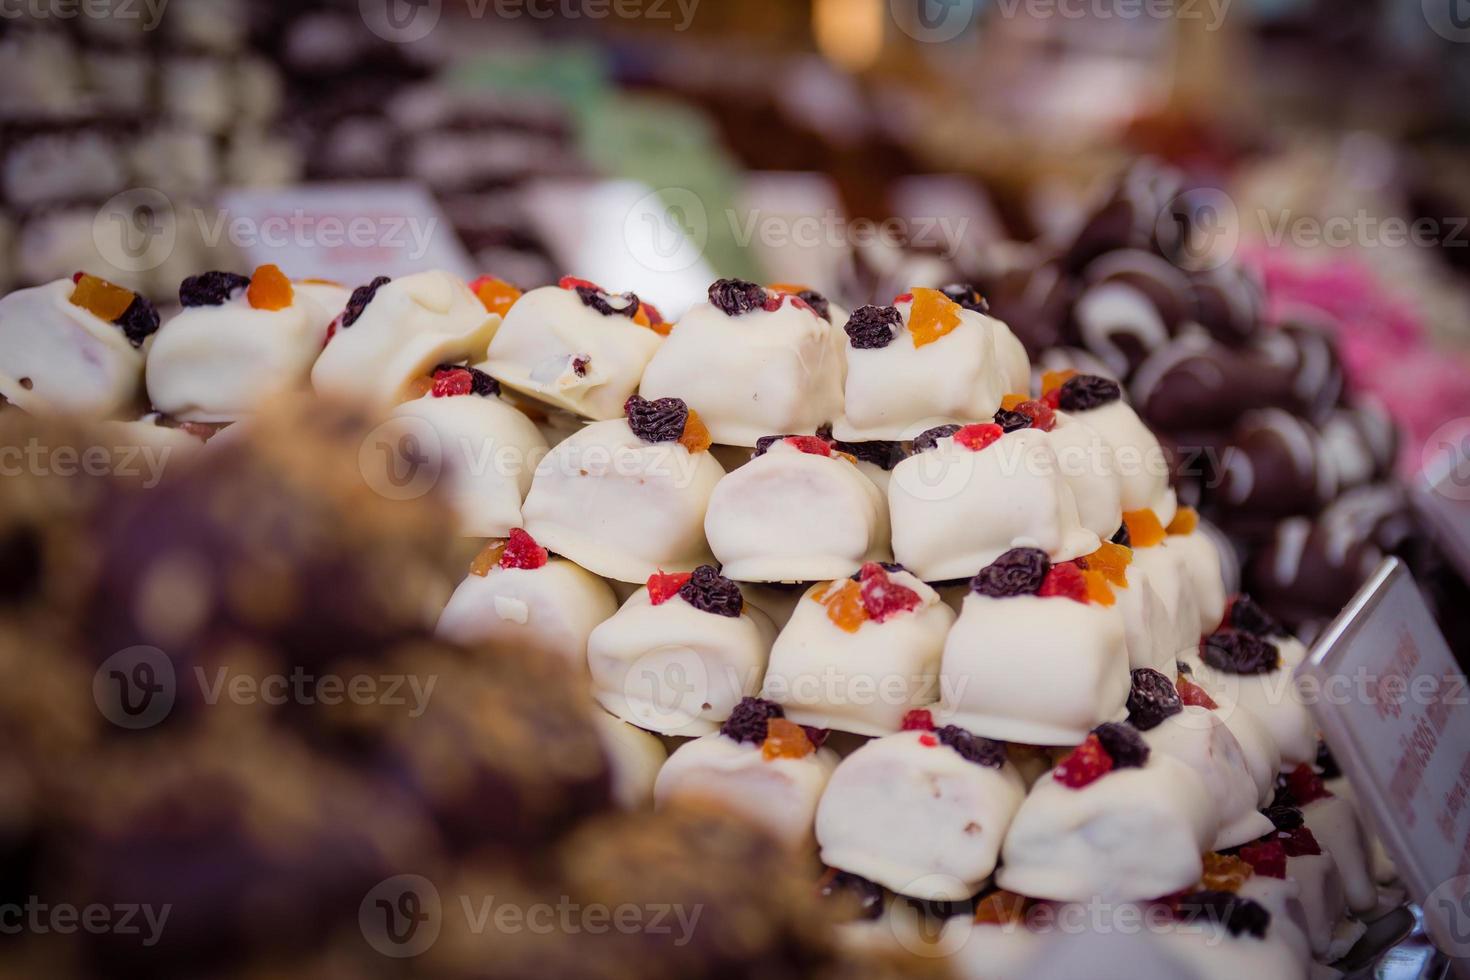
1266	440
233	748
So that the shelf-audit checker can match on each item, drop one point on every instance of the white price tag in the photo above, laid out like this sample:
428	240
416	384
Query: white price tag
1395	710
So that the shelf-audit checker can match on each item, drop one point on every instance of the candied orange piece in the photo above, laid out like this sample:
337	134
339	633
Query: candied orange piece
1001	908
1112	560
269	288
101	298
1098	590
845	607
1009	402
1052	380
696	434
488	558
931	316
785	739
787	287
1144	529
1224	873
496	294
313	280
1186	519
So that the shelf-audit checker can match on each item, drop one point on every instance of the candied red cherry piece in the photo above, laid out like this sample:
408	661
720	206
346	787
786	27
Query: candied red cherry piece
918	720
812	445
522	551
977	437
572	282
1084	765
1305	785
664	586
1065	580
455	381
1299	842
884	598
1192	694
1266	858
1042	415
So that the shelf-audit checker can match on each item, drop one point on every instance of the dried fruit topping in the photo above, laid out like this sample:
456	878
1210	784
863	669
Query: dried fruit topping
929	438
1084	765
1192	695
976	437
1123	743
453	381
1009	401
1224	872
1112	560
1087	391
1301	786
785	740
735	297
581	364
480	383
1246	615
572	282
1237	915
496	294
488	558
269	288
1186	519
1053	380
1237	652
973	748
649	316
709	591
1011	421
929	741
884	598
695	437
845	606
1266	858
664	586
1065	580
211	288
873	327
358	301
918	720
660	420
967	296
1284	816
1299	842
1099	592
1151	699
819	304
1019	571
933	315
139	321
606	303
843	885
811	445
1001	908
884	455
764	444
1144	529
522	551
1042	416
101	298
750	719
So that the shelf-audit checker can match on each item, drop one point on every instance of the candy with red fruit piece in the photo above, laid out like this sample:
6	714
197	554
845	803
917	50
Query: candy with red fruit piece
522	551
1084	765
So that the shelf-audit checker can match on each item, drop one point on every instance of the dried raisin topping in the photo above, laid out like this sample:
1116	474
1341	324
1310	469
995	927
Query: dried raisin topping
139	321
929	438
1246	614
358	301
973	748
1123	743
1152	699
709	591
1019	571
1236	652
1236	914
735	297
750	720
211	288
873	327
481	383
967	296
1087	391
660	420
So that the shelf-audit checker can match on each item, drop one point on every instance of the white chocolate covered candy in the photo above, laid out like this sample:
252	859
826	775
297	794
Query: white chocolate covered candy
1085	460
1248	671
1142	467
1130	834
1199	555
57	357
922	362
777	789
839	665
1333	822
550	610
675	667
920	812
956	506
1163	567
635	758
484	451
748	370
1043	670
622	505
396	330
797	512
227	354
575	346
1199	738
